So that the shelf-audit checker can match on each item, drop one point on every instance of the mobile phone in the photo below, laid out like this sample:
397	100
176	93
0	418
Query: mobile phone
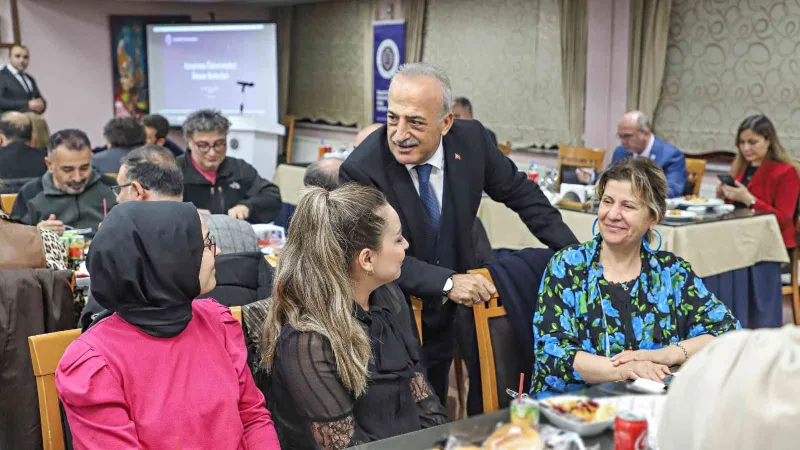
727	179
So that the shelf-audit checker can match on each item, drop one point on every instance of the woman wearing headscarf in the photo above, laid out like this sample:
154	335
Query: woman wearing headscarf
740	392
160	370
338	339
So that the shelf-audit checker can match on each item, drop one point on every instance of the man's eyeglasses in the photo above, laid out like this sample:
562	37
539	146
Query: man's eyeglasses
218	146
210	243
118	188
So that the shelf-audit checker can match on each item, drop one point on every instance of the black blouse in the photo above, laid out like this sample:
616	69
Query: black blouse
313	410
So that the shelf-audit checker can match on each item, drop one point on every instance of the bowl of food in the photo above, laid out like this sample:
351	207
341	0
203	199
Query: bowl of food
582	415
694	200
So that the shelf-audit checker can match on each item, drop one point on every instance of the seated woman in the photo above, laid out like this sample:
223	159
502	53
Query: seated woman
613	308
767	179
338	337
160	370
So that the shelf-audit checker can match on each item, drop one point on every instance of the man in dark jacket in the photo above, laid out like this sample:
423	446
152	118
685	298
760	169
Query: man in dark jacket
157	128
71	193
150	173
122	134
218	183
19	162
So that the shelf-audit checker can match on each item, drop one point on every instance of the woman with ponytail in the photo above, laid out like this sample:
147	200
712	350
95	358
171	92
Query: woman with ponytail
338	338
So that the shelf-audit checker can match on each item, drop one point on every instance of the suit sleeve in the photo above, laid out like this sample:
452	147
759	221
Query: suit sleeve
37	93
416	277
675	170
262	197
8	104
505	184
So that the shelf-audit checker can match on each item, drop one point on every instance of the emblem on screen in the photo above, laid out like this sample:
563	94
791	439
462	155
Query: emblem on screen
168	39
387	58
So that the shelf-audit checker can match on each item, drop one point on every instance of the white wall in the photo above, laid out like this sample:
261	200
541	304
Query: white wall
70	46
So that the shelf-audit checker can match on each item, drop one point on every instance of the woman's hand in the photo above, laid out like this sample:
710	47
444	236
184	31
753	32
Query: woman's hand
668	356
720	193
643	369
738	194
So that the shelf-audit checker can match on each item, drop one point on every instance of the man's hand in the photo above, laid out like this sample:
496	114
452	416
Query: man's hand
239	212
585	176
469	289
52	224
36	105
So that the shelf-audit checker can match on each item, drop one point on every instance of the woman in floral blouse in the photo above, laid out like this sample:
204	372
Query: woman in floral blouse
614	308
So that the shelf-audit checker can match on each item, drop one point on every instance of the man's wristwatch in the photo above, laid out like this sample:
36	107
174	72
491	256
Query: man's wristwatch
448	286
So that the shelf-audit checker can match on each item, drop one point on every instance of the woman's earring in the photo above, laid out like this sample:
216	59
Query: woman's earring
594	226
647	244
371	272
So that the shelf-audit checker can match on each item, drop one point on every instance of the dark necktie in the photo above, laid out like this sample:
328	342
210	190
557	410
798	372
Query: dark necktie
25	84
429	202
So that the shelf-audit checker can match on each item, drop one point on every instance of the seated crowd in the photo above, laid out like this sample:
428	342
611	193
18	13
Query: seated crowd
329	355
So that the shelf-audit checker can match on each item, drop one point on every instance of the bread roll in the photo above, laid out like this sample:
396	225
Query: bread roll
514	437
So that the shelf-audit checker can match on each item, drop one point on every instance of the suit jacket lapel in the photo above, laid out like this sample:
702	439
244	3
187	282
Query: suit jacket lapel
457	193
409	204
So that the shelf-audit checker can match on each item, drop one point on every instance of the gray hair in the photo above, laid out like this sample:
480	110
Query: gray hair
643	122
412	70
205	120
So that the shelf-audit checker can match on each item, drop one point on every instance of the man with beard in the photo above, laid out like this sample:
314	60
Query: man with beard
71	193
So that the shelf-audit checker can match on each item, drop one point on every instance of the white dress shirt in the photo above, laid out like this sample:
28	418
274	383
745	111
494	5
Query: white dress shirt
21	78
646	152
437	173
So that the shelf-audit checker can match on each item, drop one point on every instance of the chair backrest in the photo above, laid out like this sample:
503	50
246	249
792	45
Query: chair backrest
695	169
288	122
46	352
498	350
416	306
505	148
591	158
7	201
236	312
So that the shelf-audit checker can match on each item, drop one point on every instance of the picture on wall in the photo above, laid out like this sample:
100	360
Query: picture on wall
129	61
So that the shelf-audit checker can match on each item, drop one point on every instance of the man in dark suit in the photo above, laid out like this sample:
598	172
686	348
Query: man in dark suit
18	90
19	162
638	141
462	109
433	171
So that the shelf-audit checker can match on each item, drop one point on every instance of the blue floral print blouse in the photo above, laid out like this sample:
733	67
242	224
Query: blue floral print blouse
669	303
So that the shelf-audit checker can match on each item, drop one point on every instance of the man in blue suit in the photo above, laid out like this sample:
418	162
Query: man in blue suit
638	141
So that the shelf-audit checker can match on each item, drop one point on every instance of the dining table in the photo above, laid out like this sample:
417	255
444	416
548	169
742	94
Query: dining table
481	426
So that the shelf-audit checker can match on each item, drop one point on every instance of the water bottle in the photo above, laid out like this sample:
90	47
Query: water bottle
533	171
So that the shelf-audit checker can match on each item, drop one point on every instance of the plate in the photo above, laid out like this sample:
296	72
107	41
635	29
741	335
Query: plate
676	215
700	201
567	423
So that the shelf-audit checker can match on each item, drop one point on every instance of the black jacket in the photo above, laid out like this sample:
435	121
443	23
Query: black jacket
19	163
14	97
472	165
242	278
237	183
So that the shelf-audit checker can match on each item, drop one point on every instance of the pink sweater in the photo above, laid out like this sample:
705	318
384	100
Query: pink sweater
124	389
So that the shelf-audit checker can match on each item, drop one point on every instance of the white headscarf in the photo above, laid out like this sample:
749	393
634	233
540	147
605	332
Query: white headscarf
742	391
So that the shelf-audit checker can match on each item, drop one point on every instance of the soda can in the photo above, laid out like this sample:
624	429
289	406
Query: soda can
524	411
630	432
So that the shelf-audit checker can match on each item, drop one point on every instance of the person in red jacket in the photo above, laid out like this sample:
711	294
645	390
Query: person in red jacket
767	178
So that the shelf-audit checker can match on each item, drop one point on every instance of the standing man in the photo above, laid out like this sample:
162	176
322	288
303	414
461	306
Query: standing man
18	90
433	170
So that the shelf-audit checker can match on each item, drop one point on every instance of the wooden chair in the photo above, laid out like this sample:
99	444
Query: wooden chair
416	306
236	312
695	169
793	289
7	201
46	352
590	158
483	313
288	122
505	148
